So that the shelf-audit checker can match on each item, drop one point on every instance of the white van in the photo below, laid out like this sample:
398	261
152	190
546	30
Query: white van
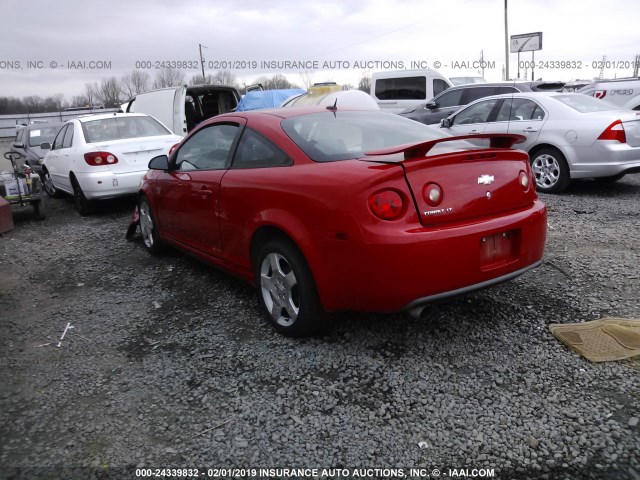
182	108
623	92
398	90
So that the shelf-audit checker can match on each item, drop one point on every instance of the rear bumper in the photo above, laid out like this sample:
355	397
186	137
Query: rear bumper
417	305
605	159
402	270
105	184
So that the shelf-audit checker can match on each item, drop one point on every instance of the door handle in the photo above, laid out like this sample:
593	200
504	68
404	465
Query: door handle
205	193
529	129
474	131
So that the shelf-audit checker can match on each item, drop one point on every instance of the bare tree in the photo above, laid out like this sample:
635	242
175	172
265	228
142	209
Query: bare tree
307	78
277	82
168	77
80	101
198	79
109	92
365	83
225	77
91	93
135	82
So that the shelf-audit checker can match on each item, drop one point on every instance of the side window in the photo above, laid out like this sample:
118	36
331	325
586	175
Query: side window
476	93
478	113
255	151
407	88
68	137
508	90
439	86
208	149
449	99
519	109
57	143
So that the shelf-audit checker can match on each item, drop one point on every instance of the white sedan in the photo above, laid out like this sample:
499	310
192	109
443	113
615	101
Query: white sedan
568	135
103	156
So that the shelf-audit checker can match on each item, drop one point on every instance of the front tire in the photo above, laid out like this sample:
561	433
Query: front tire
286	290
148	229
551	170
49	187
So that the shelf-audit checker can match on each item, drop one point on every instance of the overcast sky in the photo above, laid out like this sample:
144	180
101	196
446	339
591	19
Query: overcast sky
119	33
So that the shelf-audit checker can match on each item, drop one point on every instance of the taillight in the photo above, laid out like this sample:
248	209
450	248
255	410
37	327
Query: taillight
524	180
173	148
615	131
432	194
386	204
98	159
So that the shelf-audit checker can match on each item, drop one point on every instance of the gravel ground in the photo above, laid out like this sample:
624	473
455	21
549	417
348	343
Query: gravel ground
170	364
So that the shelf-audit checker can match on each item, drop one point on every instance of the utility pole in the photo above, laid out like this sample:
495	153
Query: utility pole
604	60
506	42
482	62
202	61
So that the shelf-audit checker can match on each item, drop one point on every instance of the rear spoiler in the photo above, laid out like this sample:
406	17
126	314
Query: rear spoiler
419	150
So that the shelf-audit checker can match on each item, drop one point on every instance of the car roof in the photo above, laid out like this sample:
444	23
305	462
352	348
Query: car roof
512	83
38	126
289	112
101	116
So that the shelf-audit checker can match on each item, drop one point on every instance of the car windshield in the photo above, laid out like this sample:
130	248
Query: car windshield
330	136
42	135
585	104
119	128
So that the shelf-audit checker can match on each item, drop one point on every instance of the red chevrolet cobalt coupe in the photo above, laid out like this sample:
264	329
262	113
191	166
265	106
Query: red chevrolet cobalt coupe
327	210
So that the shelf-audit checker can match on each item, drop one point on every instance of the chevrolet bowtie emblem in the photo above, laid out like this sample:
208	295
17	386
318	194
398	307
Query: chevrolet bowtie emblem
485	179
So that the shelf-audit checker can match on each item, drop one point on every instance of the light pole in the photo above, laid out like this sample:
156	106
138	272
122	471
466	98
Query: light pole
506	43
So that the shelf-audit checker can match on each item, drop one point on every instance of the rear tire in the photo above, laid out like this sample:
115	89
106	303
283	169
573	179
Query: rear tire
148	229
286	290
551	170
82	204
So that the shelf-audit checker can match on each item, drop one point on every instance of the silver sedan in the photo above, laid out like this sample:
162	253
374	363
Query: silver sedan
568	135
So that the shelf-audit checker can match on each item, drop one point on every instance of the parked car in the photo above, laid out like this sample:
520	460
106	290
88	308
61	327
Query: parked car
182	108
29	139
103	156
569	135
464	80
328	210
443	105
398	90
623	92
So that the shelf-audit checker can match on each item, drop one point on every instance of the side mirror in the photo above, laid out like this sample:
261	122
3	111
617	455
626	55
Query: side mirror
45	146
161	162
446	123
431	105
18	145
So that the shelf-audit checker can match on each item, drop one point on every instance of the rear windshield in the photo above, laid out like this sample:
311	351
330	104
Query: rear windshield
118	128
330	136
585	104
42	135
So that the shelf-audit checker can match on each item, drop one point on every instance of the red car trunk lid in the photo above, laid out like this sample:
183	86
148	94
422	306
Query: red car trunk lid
473	183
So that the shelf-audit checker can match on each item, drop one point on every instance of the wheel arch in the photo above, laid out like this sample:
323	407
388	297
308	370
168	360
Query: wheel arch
540	146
